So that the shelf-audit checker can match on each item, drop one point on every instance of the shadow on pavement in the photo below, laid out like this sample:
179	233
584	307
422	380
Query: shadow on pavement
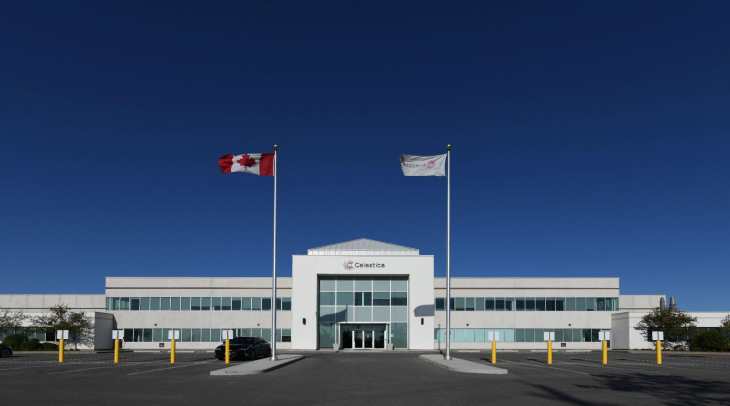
667	389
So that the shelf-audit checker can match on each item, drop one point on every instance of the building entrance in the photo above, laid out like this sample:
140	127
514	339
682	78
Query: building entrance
363	336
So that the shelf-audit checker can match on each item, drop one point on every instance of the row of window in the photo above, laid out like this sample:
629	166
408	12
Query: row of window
349	284
185	303
530	304
518	335
363	298
201	334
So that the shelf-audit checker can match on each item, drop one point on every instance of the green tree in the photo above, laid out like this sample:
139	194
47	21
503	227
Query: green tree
673	322
79	326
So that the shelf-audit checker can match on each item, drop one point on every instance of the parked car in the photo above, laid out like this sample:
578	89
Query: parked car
244	348
5	351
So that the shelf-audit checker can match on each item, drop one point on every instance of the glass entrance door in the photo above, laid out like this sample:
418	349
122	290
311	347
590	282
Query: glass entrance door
363	336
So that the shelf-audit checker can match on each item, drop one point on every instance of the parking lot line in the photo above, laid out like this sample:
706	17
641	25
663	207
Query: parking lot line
170	368
534	364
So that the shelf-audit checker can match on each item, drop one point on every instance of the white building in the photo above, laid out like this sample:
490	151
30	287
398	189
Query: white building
360	294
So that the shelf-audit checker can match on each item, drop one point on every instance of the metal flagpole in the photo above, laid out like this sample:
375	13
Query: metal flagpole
448	252
273	266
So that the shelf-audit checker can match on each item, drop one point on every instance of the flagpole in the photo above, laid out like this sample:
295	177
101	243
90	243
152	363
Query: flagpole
448	252
273	266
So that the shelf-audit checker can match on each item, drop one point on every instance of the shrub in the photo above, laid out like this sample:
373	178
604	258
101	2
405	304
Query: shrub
710	340
15	341
20	342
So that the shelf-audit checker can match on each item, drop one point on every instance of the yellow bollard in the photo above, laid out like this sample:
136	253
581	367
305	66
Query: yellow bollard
172	351
494	351
228	351
604	353
60	351
116	351
659	352
550	352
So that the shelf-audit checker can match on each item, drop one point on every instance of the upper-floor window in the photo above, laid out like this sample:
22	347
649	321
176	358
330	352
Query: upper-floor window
190	303
530	304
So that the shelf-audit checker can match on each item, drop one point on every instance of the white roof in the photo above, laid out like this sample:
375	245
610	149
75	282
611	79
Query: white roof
362	246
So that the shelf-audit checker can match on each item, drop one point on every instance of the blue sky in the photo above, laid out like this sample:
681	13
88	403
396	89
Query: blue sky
589	139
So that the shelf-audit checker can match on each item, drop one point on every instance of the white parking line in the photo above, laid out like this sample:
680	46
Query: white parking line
546	367
170	368
109	366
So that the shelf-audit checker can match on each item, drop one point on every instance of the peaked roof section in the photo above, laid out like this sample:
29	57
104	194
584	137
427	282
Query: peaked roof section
363	246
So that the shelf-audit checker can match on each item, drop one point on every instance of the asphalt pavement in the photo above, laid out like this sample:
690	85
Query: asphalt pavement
351	378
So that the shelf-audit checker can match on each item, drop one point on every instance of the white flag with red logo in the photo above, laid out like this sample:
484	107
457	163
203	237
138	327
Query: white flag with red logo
418	165
257	164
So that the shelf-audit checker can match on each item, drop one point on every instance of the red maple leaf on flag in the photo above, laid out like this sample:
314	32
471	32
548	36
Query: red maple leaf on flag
246	160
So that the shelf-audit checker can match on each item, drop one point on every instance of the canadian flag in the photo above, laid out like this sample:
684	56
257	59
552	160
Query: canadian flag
257	164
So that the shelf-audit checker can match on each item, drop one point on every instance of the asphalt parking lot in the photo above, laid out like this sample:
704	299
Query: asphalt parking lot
327	378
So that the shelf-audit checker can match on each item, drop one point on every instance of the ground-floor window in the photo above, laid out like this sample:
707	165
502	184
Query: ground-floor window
519	335
202	334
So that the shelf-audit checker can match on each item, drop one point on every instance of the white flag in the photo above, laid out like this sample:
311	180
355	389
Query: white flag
418	165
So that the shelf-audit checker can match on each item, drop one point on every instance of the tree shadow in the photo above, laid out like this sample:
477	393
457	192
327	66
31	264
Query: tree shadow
674	390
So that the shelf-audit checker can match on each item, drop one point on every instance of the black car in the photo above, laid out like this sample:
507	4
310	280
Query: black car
245	348
5	351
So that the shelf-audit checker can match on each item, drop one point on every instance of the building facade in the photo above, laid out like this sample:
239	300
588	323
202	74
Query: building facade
361	295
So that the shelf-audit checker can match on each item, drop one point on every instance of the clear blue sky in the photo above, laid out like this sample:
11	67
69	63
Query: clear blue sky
589	139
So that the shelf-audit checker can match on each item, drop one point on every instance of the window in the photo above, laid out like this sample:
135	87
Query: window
591	304
489	303
580	304
479	304
144	303
440	303
226	303
128	334
500	304
236	303
156	334
459	303
195	335
569	304
520	304
255	303
550	304
530	304
185	304
205	303
246	303
175	304
147	335
216	303
265	303
559	304
138	335
326	298
134	303
469	304
124	303
185	334
345	298
205	334
154	303
540	304
285	335
164	303
195	303
381	299
508	304
286	303
400	299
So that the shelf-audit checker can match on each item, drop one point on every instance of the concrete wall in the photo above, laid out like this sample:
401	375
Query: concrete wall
196	286
639	303
40	303
307	268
